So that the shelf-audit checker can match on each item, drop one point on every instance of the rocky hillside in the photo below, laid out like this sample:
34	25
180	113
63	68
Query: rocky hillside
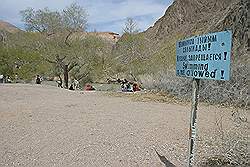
188	17
108	36
152	55
185	18
5	26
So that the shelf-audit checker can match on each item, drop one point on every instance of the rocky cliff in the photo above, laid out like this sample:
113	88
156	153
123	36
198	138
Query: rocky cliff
185	18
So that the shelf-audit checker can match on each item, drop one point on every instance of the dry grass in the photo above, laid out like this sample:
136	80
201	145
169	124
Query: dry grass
229	144
150	96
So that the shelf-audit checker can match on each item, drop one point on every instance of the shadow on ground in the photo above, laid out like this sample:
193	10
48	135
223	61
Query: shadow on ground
164	160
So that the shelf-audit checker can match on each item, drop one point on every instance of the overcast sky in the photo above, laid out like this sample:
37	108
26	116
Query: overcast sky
104	15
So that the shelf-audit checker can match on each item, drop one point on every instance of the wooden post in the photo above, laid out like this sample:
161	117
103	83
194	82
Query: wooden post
193	121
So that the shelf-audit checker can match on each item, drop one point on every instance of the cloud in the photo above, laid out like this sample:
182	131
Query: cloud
9	9
104	15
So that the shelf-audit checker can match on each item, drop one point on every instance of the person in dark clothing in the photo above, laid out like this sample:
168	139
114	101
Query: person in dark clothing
38	79
125	81
119	80
71	87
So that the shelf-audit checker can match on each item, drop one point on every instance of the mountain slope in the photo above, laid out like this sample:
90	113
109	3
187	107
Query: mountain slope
5	26
185	18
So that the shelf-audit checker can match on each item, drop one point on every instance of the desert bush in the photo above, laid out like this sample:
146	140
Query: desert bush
167	81
233	92
228	144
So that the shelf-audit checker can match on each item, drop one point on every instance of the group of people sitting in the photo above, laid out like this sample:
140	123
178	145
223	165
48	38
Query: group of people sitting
73	86
128	86
5	79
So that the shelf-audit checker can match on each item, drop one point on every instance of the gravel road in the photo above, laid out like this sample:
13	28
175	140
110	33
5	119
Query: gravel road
46	126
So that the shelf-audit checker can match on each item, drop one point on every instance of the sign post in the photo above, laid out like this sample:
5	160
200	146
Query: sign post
193	119
202	57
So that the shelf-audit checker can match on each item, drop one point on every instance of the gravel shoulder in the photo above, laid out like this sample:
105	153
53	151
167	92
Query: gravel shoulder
47	126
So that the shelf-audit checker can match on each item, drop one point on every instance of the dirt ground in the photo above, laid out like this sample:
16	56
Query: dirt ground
48	126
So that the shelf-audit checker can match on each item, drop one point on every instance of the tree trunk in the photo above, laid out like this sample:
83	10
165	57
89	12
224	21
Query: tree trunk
66	76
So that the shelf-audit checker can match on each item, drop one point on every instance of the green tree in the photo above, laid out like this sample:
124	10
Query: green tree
130	26
58	43
18	60
132	53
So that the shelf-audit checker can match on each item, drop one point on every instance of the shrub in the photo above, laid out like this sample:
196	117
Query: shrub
233	92
228	145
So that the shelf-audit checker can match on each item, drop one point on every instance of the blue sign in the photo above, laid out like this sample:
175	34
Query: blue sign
205	57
